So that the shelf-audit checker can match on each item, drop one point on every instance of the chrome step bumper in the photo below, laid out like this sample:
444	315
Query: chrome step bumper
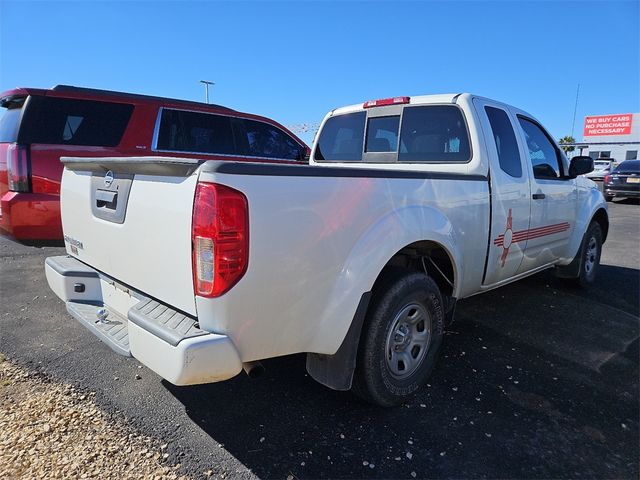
131	324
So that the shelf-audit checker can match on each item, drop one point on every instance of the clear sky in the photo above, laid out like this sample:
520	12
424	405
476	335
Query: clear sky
294	61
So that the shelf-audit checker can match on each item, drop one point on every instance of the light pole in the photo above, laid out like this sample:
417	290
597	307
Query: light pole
206	89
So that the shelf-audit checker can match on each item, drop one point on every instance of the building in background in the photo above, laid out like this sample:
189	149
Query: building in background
615	136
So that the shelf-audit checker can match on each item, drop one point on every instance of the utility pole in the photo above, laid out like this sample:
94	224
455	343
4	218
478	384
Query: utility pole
575	109
206	89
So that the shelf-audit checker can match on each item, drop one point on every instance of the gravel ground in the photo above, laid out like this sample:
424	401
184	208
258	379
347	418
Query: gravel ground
51	430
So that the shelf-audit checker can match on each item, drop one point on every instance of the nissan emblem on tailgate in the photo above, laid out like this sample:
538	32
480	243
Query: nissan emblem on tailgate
108	178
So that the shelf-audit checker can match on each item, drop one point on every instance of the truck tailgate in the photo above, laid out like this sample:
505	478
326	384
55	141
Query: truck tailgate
131	219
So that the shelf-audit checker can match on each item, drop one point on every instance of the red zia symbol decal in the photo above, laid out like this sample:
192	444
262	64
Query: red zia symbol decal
507	238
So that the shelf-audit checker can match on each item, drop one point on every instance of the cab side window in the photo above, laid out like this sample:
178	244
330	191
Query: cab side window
506	143
544	156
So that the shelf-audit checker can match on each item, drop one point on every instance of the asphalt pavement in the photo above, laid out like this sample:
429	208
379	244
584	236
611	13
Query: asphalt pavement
537	380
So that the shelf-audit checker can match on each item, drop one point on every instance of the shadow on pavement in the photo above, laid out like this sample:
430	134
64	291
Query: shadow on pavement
536	380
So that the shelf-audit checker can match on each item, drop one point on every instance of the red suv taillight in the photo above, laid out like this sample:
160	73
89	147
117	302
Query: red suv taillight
220	239
18	168
607	178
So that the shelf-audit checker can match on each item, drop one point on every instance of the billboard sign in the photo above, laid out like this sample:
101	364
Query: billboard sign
599	125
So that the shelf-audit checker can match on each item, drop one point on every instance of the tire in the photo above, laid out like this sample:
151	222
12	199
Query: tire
608	198
590	253
400	340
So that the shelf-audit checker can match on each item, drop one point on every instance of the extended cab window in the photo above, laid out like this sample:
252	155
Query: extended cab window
65	121
544	156
341	138
183	131
434	133
506	143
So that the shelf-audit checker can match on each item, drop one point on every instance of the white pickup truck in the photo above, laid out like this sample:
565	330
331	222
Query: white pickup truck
200	268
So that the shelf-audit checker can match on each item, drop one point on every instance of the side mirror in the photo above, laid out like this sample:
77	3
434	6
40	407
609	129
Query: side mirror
580	165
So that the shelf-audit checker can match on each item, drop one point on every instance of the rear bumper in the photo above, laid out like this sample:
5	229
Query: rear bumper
30	216
621	192
165	340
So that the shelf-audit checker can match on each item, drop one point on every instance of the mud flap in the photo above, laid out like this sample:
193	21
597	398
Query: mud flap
336	371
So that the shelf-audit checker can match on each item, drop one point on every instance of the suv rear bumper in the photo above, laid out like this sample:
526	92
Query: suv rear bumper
622	192
31	216
165	340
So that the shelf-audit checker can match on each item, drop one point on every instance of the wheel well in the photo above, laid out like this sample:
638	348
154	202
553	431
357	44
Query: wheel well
336	371
429	256
603	219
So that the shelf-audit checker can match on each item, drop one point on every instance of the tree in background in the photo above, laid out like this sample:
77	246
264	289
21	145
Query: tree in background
567	139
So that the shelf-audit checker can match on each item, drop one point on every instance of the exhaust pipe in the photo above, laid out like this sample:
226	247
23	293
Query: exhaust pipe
253	369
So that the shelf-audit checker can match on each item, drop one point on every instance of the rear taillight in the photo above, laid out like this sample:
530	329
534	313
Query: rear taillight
18	168
607	178
220	236
385	101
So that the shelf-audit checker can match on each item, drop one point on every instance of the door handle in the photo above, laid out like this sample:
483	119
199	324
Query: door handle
106	198
538	196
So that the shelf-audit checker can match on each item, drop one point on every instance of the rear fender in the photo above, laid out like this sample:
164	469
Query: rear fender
373	250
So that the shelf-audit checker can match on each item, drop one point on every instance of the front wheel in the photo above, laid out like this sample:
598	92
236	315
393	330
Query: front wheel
590	255
400	339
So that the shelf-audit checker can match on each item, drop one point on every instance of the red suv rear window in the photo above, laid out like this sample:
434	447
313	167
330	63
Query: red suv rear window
63	121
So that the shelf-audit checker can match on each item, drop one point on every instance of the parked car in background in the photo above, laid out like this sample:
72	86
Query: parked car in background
601	168
624	181
39	126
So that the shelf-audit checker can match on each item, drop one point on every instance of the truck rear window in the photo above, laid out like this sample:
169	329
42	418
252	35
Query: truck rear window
341	138
430	133
65	121
382	134
434	133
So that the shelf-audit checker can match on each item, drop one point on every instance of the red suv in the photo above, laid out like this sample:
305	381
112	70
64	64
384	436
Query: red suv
40	126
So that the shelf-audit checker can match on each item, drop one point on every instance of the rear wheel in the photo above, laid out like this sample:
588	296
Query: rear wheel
401	338
608	198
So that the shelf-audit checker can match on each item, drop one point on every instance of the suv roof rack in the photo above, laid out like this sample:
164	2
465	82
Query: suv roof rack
113	93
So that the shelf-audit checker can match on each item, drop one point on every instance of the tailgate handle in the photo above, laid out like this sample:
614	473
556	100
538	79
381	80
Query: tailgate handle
106	199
